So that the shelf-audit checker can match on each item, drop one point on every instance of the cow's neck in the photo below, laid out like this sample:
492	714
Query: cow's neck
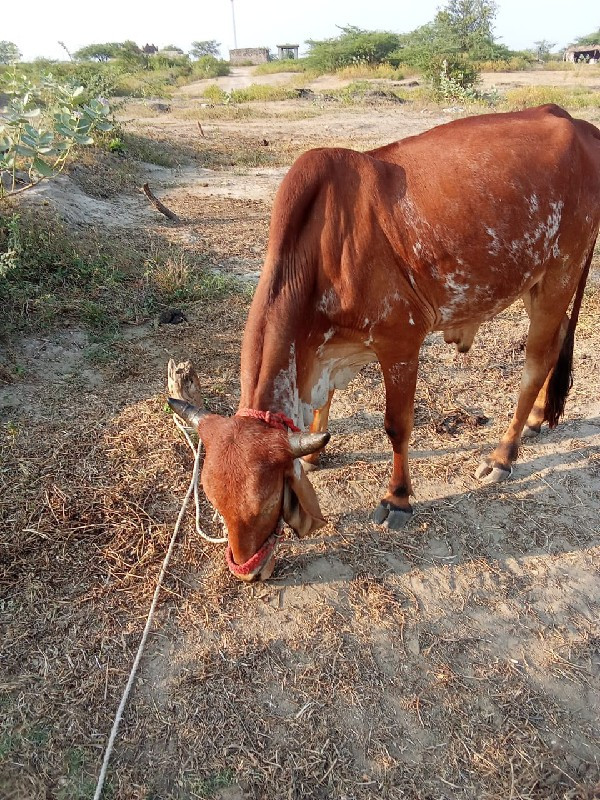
274	354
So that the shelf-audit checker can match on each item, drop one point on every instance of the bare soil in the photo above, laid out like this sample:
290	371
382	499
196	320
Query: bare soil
457	659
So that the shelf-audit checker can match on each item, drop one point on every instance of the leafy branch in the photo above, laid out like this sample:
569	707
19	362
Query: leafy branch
40	128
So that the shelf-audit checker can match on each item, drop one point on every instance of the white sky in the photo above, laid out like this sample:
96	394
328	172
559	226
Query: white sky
266	23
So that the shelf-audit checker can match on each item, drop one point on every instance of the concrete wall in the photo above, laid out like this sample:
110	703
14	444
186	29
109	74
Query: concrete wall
254	55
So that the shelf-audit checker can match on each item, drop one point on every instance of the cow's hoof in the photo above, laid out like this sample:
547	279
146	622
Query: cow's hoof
390	517
397	519
530	433
488	473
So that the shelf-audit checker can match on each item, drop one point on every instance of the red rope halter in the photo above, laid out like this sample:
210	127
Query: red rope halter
274	419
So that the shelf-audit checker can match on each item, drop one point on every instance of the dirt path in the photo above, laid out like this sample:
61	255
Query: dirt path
241	77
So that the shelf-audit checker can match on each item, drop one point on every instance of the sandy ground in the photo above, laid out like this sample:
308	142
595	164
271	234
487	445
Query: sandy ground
457	659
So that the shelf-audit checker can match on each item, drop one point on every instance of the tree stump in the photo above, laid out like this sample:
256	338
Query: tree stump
183	383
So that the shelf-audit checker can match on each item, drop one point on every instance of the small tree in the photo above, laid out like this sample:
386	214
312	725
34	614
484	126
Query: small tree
542	49
207	47
131	56
467	26
98	52
9	53
352	46
590	38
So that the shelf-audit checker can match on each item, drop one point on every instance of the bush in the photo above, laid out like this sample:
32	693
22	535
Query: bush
514	64
281	65
215	94
352	46
451	76
571	99
456	82
257	91
210	67
373	71
41	128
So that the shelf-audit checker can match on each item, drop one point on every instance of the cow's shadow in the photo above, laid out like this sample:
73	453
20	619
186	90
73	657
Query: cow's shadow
333	459
535	512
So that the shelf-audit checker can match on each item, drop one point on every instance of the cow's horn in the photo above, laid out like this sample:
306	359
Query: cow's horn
303	444
186	411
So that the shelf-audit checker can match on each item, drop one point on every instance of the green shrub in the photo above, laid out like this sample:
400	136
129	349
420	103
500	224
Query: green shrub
373	72
215	94
282	65
352	46
571	99
43	124
210	67
258	91
514	64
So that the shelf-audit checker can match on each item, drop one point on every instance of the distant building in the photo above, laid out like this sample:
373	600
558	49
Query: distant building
287	51
249	55
171	52
588	53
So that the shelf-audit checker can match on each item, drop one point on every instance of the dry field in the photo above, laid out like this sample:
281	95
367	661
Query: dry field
456	660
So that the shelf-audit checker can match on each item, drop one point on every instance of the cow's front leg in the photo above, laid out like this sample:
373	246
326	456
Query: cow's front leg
318	425
400	378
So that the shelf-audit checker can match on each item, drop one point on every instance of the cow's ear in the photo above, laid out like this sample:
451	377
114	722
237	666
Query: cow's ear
301	508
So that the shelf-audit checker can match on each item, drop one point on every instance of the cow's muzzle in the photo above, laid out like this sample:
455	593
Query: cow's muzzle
261	565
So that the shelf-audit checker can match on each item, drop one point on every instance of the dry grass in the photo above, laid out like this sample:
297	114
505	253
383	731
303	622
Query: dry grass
458	659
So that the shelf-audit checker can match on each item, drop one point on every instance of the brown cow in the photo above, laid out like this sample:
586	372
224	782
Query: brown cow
368	253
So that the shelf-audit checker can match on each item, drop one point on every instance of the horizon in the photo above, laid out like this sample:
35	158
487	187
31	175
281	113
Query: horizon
518	24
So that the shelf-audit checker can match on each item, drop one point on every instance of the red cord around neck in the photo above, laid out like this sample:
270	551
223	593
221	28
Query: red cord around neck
275	419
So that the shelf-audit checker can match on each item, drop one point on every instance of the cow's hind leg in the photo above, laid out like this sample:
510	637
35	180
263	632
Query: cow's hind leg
547	353
400	378
537	415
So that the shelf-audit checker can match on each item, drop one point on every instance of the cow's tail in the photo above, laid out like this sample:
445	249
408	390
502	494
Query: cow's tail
561	380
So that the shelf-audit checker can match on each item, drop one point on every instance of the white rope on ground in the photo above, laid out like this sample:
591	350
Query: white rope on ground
117	721
196	451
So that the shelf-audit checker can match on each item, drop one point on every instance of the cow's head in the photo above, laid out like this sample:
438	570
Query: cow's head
253	478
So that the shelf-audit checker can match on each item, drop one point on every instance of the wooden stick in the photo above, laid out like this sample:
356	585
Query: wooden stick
200	129
158	205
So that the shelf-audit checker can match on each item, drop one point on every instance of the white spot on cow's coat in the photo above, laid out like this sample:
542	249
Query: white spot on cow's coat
458	295
544	238
494	248
328	302
327	336
285	390
534	204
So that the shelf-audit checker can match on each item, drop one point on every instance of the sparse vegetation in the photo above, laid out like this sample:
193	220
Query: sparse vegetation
571	99
249	94
460	659
50	276
282	65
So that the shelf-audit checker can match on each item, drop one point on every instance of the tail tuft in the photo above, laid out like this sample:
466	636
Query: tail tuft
560	382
